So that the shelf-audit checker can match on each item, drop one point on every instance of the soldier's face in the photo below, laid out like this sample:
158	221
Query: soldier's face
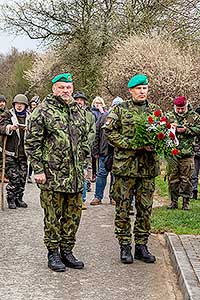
181	110
63	89
139	93
19	107
2	104
80	101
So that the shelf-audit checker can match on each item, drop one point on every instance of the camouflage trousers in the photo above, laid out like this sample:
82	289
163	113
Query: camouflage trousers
180	174
62	214
16	172
122	191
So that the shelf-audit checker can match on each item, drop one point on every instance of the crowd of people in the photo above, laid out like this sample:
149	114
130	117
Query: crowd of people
64	144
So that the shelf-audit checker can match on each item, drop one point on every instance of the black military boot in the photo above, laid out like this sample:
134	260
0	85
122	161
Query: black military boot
70	260
20	203
142	253
173	204
186	202
11	203
194	195
54	261
126	255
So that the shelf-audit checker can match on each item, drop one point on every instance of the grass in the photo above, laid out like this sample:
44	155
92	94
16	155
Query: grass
177	221
161	186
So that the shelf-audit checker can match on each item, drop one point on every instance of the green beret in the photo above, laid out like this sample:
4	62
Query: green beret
65	77
139	79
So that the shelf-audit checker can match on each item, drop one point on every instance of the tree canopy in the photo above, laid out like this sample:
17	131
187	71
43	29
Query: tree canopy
81	33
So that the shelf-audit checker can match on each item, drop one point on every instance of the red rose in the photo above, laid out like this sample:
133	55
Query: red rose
161	136
157	113
174	151
163	119
150	120
168	125
172	136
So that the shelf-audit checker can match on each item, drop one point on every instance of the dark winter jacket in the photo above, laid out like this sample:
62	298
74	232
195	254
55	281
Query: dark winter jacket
16	138
96	113
101	146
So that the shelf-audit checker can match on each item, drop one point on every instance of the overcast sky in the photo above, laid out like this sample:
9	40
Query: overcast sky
21	43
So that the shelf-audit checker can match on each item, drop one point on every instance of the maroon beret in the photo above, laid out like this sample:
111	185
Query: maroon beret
180	101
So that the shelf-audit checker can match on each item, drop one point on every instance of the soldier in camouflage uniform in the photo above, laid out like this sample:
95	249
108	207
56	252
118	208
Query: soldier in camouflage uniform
57	145
134	172
195	177
13	123
2	109
81	99
187	123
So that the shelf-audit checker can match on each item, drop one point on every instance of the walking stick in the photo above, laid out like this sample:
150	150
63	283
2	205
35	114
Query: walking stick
3	172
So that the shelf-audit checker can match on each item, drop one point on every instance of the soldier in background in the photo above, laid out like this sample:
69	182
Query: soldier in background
57	145
134	172
195	177
81	99
34	102
13	123
2	109
2	103
180	170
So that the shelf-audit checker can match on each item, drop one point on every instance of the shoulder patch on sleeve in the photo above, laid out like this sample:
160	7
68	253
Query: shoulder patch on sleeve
112	115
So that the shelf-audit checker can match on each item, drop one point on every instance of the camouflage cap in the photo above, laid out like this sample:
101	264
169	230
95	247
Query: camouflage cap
2	98
139	79
65	77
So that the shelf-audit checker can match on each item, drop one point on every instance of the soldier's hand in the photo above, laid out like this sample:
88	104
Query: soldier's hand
147	148
40	178
181	129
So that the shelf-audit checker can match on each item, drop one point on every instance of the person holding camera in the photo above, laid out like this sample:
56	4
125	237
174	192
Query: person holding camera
103	151
13	123
180	168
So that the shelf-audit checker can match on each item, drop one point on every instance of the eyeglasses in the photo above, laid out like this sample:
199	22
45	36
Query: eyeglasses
98	102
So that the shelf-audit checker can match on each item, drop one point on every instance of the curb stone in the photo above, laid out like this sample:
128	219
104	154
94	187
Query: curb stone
188	279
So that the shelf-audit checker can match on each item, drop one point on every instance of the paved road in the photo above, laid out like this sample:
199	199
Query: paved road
24	274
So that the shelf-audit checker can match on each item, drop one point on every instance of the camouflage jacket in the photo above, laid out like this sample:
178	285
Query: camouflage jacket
1	137
191	120
57	144
197	147
119	130
91	127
